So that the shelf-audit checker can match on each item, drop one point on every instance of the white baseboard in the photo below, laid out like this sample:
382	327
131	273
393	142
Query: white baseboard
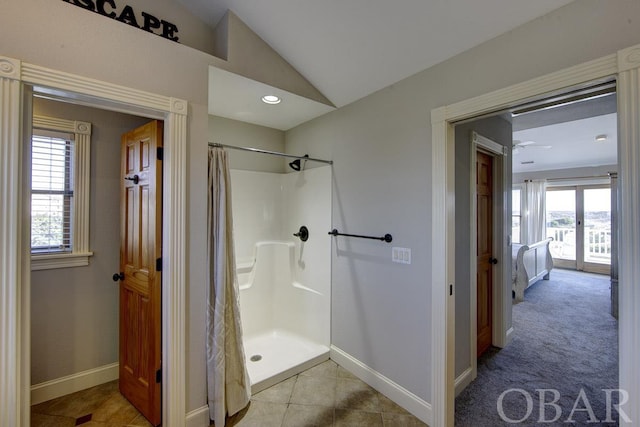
403	397
71	383
463	380
198	417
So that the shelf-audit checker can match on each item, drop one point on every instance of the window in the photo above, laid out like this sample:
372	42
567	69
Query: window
59	193
51	193
516	215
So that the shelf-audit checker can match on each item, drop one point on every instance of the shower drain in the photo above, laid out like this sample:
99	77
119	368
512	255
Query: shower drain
256	358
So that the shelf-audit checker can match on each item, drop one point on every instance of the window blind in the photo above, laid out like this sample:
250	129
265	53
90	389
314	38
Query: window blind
51	192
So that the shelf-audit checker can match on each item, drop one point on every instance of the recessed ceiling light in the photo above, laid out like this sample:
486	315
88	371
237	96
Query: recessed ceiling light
271	99
601	138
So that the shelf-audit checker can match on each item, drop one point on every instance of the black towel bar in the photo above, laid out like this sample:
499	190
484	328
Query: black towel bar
386	238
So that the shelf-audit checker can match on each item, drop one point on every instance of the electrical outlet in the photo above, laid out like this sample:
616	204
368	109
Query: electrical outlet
401	255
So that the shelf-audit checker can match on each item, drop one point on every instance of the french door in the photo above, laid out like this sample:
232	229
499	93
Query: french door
578	219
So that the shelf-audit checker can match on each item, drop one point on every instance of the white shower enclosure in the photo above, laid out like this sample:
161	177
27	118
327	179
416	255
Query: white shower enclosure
285	283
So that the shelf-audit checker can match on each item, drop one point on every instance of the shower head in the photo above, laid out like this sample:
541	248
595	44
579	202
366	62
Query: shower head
295	165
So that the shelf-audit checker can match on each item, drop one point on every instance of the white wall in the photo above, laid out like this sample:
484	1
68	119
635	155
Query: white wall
270	206
381	150
257	210
307	201
74	311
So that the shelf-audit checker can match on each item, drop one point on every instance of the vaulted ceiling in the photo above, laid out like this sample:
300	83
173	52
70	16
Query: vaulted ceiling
349	49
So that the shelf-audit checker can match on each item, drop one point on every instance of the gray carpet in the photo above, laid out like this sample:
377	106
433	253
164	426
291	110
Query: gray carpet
564	339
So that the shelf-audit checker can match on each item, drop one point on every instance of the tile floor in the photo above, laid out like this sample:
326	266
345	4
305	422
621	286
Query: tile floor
325	395
99	406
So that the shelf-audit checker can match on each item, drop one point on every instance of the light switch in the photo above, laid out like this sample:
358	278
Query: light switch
401	255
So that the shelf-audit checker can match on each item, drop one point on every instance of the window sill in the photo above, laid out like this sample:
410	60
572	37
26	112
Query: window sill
51	261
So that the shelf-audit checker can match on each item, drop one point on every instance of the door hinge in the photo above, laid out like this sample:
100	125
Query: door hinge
160	153
450	289
159	376
158	264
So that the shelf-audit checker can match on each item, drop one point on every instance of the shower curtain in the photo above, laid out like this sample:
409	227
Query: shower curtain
228	384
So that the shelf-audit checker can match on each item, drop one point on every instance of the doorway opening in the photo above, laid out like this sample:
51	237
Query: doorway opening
592	102
16	93
74	308
483	292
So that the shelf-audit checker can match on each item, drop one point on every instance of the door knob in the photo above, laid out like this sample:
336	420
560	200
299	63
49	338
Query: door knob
118	276
135	178
493	261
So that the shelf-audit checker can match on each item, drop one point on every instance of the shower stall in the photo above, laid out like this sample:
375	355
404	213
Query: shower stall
283	263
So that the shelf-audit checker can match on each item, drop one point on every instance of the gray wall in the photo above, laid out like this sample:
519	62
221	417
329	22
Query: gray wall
193	33
498	130
74	311
381	146
233	132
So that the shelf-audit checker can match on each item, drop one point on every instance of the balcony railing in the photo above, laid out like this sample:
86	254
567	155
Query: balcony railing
597	244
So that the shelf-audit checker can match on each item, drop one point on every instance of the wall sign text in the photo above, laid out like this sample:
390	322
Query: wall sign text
127	15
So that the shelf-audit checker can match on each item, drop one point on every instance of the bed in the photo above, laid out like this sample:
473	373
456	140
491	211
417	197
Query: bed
531	263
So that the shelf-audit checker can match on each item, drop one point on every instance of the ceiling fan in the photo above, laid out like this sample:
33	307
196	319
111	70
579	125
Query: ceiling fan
519	146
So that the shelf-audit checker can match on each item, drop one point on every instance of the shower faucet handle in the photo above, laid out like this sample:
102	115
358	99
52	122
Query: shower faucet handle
303	234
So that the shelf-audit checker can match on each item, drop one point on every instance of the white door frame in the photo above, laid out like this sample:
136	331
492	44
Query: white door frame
501	296
502	300
624	66
15	266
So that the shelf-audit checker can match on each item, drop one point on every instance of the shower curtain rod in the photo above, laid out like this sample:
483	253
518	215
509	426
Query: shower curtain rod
274	153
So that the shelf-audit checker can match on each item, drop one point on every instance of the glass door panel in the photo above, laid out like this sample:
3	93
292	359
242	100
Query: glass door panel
561	223
579	221
597	225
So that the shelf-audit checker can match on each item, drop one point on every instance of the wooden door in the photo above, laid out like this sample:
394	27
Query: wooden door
484	200
140	261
